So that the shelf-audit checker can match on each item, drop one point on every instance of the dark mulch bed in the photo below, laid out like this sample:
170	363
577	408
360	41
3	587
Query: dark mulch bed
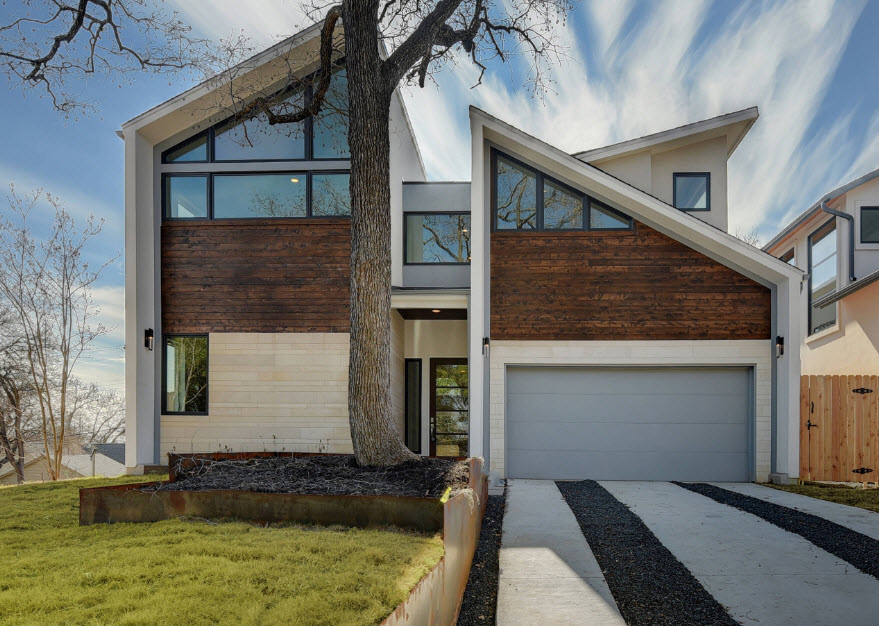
324	475
480	596
844	543
649	584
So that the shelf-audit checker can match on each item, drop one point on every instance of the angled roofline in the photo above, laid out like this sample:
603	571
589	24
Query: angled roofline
813	210
748	115
215	82
727	247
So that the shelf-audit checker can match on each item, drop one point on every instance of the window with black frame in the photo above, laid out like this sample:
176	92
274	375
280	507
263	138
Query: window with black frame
822	276
323	137
437	238
870	224
692	191
526	199
185	374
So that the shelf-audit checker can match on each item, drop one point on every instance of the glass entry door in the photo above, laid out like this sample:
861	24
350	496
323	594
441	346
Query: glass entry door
449	408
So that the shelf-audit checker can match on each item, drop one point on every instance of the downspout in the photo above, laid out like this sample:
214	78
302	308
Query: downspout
851	236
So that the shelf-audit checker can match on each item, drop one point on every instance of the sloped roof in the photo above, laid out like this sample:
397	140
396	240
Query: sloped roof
816	208
680	225
688	133
115	451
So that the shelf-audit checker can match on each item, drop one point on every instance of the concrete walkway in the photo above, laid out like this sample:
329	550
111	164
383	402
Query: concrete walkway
759	572
548	574
859	520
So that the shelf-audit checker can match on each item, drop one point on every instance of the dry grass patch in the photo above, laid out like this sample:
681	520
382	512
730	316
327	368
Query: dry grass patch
841	494
194	572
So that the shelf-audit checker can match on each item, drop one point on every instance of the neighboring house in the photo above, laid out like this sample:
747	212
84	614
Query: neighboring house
115	451
72	466
563	316
836	242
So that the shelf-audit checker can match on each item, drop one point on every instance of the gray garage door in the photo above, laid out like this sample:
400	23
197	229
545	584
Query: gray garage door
665	423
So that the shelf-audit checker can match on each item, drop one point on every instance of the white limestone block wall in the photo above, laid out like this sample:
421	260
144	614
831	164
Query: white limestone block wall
269	392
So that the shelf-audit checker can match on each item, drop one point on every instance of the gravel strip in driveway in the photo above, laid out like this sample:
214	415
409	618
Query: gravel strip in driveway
649	584
480	596
844	543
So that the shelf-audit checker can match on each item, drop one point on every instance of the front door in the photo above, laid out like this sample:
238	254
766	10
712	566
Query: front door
449	408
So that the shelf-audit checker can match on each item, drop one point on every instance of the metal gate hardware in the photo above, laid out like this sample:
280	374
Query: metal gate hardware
862	390
862	470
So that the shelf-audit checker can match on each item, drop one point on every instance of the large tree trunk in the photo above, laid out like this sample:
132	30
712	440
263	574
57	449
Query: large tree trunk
374	432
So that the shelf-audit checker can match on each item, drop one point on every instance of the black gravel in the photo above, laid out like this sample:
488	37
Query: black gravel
650	586
323	475
480	596
844	543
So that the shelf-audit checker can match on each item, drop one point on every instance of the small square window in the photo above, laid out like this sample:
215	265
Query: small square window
870	224
186	197
330	195
692	191
788	257
185	374
437	238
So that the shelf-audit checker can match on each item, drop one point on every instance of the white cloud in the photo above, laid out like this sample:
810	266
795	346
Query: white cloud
265	21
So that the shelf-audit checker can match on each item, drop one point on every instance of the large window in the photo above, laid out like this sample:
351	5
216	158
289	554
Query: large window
251	195
692	191
822	276
254	139
526	199
437	238
185	375
870	224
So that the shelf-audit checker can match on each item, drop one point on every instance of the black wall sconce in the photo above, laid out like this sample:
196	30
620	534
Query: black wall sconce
779	347
148	339
486	346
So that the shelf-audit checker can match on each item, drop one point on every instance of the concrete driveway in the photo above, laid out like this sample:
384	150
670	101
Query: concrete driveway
757	572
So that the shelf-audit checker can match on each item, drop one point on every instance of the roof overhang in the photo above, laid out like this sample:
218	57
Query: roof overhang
849	289
679	225
815	209
734	126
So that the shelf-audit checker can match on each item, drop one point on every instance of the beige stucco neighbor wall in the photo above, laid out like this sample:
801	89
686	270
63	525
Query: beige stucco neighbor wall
269	391
755	353
854	348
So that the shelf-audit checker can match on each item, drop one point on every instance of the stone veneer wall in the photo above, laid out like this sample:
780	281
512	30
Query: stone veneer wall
269	391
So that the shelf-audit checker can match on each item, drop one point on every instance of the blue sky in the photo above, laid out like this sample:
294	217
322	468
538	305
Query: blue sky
632	68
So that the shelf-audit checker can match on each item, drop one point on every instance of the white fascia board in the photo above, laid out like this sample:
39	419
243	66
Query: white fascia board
749	116
642	206
211	84
429	300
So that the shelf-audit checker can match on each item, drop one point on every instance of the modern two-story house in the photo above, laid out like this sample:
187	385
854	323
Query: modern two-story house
563	316
836	242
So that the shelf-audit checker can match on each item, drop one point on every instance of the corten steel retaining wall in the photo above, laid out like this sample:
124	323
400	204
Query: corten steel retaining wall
436	599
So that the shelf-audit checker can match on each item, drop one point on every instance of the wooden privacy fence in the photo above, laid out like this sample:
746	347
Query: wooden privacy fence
839	427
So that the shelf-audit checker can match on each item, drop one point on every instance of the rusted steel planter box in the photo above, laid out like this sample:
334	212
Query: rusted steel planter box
436	599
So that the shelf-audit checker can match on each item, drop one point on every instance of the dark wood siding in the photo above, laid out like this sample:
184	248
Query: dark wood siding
255	276
618	285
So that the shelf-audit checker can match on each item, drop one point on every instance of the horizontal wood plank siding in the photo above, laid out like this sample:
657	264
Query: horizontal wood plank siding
255	276
635	285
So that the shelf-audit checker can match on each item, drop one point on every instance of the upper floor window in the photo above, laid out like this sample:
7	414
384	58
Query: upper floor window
822	276
692	191
524	198
324	136
251	195
788	257
437	238
870	224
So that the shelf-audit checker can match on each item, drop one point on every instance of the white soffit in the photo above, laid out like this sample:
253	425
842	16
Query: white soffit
732	125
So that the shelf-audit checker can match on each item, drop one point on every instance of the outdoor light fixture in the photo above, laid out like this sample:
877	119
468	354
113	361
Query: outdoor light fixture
486	345
148	339
436	310
779	346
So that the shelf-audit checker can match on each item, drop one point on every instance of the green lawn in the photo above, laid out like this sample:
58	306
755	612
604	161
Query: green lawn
853	496
52	571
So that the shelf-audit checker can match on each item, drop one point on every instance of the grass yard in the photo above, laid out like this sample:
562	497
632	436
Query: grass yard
52	571
852	496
